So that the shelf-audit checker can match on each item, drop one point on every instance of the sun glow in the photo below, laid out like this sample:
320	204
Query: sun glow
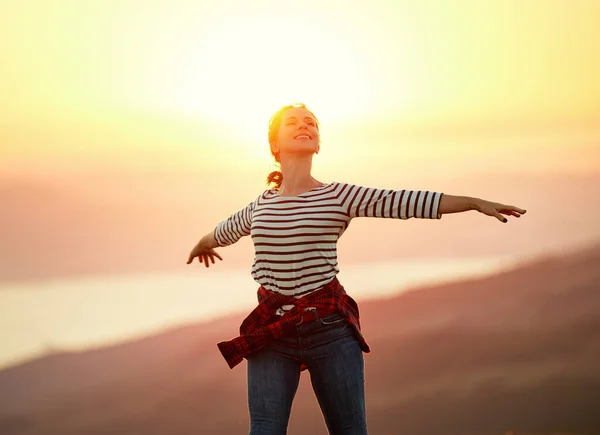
247	68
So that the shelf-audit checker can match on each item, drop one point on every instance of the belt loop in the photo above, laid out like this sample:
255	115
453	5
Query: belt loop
315	312
301	317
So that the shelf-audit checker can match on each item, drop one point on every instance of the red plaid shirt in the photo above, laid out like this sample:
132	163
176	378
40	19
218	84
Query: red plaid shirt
259	327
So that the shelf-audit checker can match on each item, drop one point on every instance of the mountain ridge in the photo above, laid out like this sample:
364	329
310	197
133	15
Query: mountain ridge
523	333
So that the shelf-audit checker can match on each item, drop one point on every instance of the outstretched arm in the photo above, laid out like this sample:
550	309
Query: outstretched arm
457	204
360	201
226	233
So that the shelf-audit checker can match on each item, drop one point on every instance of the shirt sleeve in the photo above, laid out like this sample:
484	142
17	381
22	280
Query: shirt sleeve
235	226
359	201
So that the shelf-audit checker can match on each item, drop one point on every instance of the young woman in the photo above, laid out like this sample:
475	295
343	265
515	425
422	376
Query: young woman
305	319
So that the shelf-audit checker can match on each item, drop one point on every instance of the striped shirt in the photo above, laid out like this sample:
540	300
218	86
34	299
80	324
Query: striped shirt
295	237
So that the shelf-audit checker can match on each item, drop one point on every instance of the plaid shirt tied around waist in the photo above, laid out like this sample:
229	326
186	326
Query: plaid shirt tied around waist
260	327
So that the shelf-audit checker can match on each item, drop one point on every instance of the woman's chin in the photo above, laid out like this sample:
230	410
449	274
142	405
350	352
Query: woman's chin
298	151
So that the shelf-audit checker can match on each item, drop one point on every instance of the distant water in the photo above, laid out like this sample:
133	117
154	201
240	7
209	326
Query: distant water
75	314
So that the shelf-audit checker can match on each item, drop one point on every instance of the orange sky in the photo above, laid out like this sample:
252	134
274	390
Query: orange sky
165	104
130	128
231	63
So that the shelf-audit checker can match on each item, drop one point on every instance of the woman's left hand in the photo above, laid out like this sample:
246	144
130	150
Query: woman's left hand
495	209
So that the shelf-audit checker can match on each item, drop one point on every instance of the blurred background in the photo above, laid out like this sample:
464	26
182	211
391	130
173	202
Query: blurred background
129	129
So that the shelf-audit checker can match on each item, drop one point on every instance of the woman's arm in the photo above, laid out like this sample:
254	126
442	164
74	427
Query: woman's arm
458	204
225	233
209	241
360	201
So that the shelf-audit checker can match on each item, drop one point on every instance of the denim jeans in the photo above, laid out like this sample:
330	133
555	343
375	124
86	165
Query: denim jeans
335	362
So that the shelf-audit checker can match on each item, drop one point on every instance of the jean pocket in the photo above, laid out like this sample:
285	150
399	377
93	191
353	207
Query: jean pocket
332	319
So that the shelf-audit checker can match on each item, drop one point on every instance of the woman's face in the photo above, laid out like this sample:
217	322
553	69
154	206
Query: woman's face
298	132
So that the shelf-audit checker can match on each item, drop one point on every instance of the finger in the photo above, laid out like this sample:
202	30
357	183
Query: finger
516	209
213	255
510	213
500	217
212	259
205	258
190	259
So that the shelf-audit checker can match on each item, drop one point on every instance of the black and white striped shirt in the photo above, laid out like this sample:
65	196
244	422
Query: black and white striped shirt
295	237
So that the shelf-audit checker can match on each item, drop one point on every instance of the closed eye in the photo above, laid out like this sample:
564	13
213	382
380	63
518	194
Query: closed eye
292	121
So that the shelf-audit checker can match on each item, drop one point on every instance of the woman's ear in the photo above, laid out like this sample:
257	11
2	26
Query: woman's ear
274	148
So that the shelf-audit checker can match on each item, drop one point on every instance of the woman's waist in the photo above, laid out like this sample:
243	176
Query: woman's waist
310	314
293	284
290	266
324	298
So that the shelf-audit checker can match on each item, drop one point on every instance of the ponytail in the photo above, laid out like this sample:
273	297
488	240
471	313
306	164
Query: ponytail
276	178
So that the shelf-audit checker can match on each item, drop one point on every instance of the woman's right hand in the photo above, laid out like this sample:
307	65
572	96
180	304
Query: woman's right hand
204	253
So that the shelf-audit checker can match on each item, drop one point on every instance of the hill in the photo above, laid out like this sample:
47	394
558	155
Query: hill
518	351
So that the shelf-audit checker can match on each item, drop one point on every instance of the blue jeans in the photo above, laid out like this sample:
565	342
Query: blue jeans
334	359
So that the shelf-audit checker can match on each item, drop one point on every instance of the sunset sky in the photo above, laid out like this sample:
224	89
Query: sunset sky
189	84
116	112
130	128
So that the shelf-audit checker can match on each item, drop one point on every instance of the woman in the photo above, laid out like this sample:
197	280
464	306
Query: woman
305	319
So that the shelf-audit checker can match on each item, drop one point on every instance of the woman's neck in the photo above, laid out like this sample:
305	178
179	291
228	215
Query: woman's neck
296	175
